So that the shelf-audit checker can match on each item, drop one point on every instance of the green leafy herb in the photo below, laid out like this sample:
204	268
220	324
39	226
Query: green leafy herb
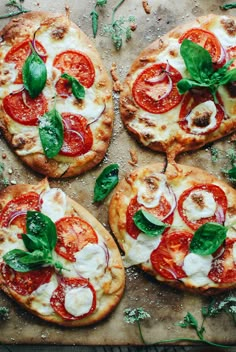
51	132
4	313
118	28
17	5
95	16
228	6
148	223
200	67
77	88
105	182
134	316
208	238
40	241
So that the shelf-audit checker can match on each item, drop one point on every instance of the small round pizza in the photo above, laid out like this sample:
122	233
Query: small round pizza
180	92
56	109
56	259
178	226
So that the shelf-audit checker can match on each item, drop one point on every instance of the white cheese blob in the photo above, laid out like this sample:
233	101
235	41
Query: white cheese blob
199	204
78	300
53	203
197	268
11	240
151	189
140	249
41	298
207	109
91	261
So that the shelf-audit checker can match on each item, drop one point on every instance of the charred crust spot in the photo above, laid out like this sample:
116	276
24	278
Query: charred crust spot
198	199
202	120
229	25
59	32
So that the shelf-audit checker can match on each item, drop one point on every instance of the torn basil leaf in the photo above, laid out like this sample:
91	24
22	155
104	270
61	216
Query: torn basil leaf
77	88
105	182
148	223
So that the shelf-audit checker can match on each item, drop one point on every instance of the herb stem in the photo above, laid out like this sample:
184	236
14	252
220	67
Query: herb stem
12	14
115	9
182	339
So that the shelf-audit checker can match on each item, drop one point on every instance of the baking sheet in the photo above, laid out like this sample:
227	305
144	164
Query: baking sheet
165	305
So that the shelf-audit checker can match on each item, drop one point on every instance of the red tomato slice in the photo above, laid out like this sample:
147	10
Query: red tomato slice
190	101
160	211
23	109
72	235
157	95
19	53
77	65
14	212
25	283
231	53
58	297
167	259
223	268
219	197
78	137
207	40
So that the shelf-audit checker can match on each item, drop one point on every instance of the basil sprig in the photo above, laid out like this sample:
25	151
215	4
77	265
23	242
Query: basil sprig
51	132
105	182
34	74
200	67
40	241
208	238
77	88
148	223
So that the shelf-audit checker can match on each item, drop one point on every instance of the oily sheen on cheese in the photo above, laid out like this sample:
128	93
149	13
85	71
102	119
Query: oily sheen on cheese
163	130
183	199
97	265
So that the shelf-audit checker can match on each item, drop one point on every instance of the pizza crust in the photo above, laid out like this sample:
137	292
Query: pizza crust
60	28
112	293
179	179
161	132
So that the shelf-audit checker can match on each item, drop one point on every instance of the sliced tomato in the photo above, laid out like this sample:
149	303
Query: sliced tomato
192	100
78	137
167	259
23	109
223	268
155	91
19	53
159	211
58	297
14	212
63	88
25	283
231	53
73	234
77	65
207	40
219	197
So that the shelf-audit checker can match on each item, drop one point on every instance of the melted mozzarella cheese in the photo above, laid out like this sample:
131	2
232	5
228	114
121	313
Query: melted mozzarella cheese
53	203
197	268
11	240
91	261
206	110
150	190
78	300
139	251
40	298
204	208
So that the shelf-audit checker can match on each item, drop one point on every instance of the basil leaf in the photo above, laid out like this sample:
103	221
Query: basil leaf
197	60
77	88
228	6
105	182
230	76
33	242
186	84
14	258
34	74
41	226
232	173
35	257
148	223
51	132
208	238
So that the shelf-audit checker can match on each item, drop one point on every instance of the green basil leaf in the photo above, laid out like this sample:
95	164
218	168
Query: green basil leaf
186	84
105	182
41	226
148	223
51	132
34	74
14	258
208	238
35	257
33	242
232	173
77	88
94	15
228	6
230	76
197	60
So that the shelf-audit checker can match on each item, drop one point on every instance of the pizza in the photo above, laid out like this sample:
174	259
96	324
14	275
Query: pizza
178	226
56	259
56	109
153	108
